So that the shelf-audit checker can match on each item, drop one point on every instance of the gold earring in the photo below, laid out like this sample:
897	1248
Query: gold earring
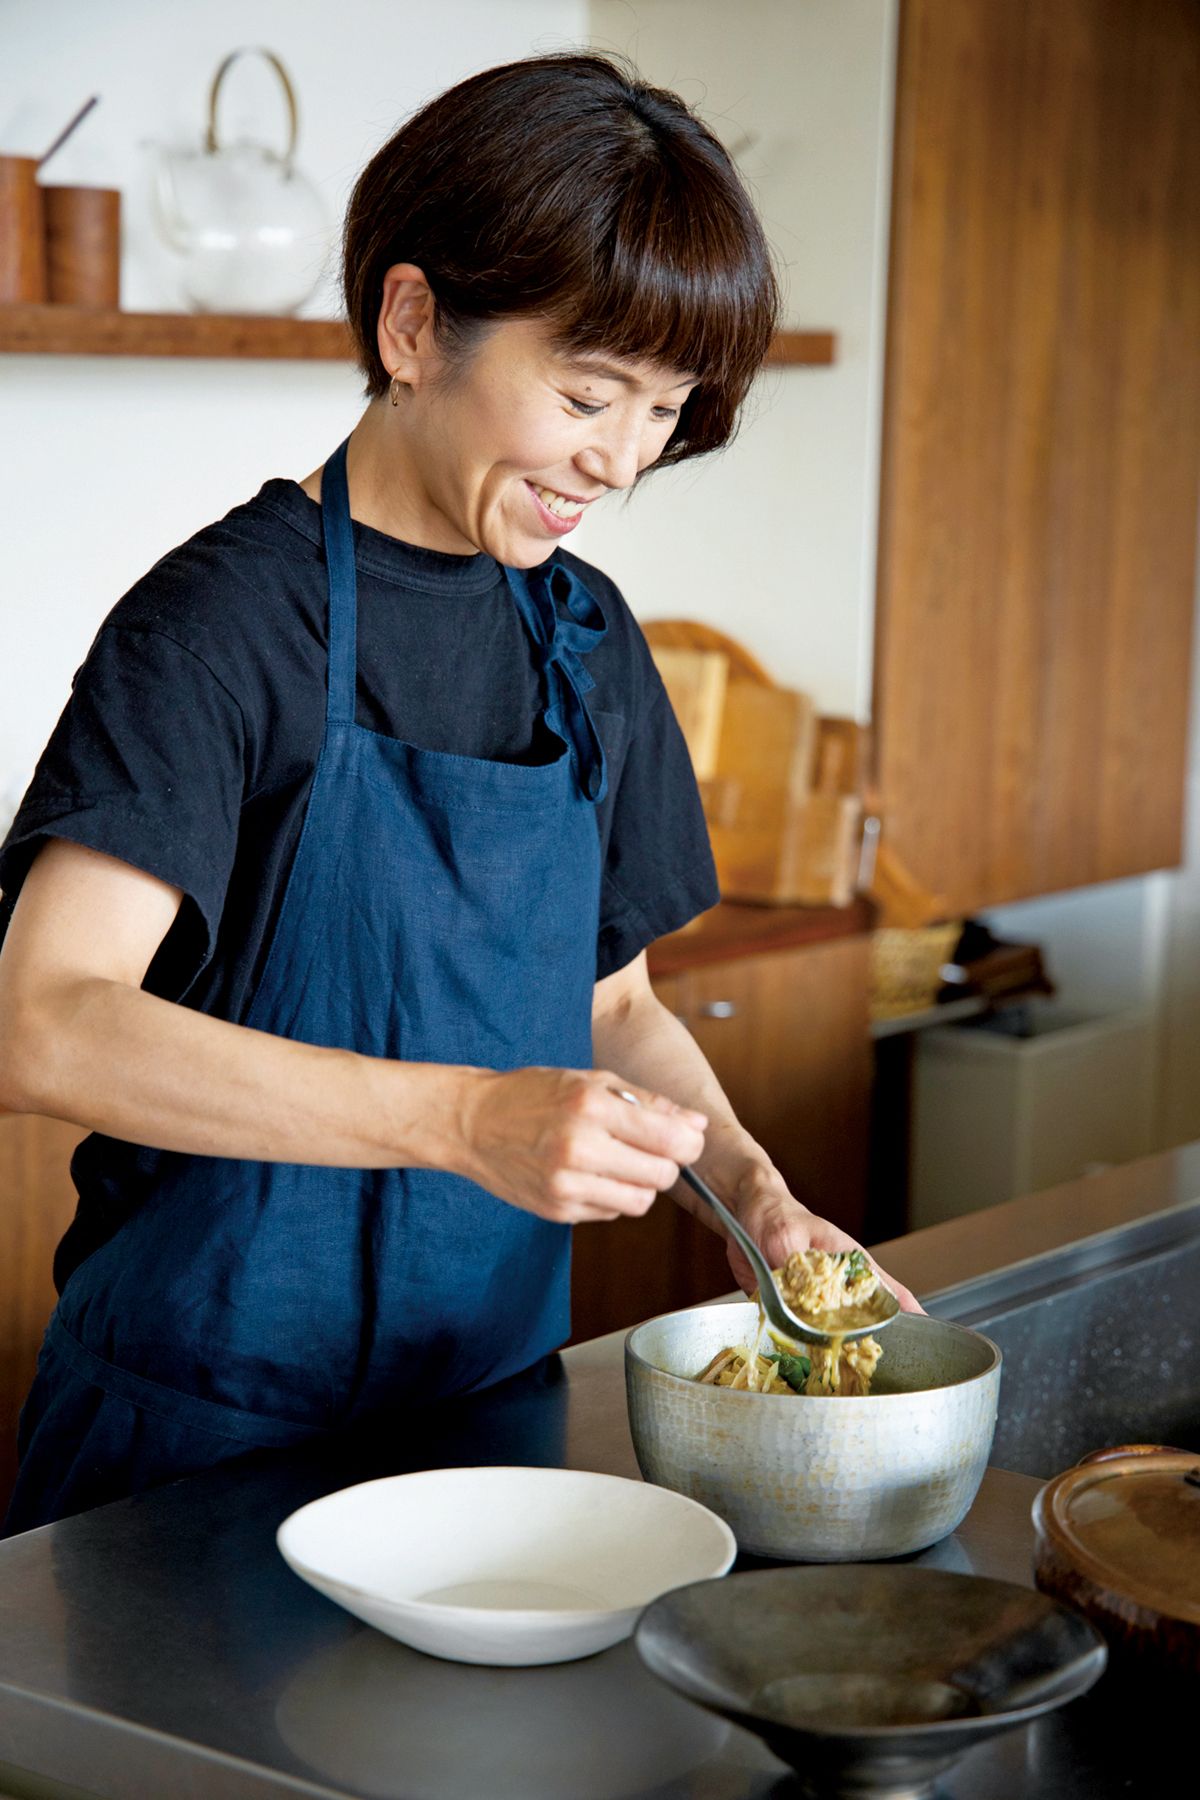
394	390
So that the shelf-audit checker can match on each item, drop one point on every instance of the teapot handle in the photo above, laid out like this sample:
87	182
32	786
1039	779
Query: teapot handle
211	142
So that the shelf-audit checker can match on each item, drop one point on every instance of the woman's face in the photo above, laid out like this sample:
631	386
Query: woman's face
507	453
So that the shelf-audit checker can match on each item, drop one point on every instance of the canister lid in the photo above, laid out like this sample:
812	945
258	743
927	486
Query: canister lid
1129	1520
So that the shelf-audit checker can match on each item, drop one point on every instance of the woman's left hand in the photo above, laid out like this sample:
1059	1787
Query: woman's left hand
779	1226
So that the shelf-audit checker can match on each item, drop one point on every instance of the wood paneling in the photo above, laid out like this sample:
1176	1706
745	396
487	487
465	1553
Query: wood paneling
37	1203
795	1059
786	1034
40	330
1041	443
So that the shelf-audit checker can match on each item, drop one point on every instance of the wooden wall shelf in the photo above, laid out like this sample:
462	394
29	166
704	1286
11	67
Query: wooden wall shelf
806	349
84	331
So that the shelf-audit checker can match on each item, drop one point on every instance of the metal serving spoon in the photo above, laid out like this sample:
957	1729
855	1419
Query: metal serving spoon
782	1320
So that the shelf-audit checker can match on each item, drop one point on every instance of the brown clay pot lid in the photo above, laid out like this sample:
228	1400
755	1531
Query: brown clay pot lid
1129	1520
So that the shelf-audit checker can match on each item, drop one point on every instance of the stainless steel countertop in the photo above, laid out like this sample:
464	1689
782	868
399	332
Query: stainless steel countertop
160	1649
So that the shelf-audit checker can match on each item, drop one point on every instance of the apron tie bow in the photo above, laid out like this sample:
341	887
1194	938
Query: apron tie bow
567	624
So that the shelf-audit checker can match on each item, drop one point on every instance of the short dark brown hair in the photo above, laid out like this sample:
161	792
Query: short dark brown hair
565	187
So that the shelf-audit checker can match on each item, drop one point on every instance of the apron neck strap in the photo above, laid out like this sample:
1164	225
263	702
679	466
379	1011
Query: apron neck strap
343	590
560	614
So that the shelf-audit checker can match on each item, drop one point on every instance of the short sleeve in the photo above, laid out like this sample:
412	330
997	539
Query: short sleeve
146	764
658	866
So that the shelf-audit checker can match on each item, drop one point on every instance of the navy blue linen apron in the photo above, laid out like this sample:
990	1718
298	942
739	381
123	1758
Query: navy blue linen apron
440	908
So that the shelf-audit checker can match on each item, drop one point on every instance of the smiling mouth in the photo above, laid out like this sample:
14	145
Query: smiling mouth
563	506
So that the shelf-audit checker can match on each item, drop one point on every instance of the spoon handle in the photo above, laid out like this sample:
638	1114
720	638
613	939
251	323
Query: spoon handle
68	130
778	1315
733	1226
698	1186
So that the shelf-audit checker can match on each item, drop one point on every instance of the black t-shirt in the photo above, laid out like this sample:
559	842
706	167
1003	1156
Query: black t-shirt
189	743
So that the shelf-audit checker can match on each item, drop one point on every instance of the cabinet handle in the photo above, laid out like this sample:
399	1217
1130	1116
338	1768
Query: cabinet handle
868	854
719	1009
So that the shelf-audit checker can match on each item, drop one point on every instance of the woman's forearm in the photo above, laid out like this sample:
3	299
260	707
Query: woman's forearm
113	1058
81	1039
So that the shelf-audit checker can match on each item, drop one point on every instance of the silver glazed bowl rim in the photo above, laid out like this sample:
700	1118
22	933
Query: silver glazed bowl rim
820	1478
635	1359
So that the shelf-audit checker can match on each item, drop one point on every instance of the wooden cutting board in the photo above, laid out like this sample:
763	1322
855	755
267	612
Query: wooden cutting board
781	787
821	848
690	634
843	747
774	839
695	681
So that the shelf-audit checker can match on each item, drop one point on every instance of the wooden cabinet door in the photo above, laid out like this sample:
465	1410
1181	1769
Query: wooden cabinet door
37	1203
787	1037
1041	443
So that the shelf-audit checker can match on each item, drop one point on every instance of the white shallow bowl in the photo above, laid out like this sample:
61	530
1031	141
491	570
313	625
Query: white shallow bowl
818	1478
504	1566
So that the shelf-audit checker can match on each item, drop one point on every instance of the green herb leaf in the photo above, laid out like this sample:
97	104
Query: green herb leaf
856	1265
794	1370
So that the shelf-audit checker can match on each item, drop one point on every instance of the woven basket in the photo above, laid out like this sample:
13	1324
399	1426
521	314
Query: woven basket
906	967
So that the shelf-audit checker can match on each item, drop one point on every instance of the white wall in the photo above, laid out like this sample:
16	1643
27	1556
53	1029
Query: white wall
774	540
1099	942
105	463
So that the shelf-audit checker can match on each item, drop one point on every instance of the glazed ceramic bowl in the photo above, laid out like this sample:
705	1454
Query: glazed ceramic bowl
503	1565
870	1681
818	1479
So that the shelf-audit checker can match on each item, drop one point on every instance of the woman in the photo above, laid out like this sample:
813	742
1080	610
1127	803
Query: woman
331	894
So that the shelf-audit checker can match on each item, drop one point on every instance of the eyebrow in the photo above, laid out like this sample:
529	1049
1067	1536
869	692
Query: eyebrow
608	372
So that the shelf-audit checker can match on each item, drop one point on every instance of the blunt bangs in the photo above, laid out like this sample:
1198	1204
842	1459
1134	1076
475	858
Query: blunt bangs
681	287
564	187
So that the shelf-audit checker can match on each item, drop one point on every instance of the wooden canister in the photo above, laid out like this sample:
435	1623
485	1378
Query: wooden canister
83	245
22	231
1118	1538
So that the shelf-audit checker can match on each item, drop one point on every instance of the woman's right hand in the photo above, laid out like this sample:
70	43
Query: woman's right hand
562	1143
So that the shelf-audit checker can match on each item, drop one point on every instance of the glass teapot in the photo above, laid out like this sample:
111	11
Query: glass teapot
252	231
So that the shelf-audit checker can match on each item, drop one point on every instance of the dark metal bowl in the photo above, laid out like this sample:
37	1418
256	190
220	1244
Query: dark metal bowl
869	1680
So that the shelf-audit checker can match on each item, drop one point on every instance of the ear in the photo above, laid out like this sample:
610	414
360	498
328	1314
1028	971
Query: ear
405	331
